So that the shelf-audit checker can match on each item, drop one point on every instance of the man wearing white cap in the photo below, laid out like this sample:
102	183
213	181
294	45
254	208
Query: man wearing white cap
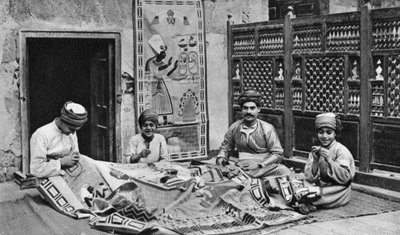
54	146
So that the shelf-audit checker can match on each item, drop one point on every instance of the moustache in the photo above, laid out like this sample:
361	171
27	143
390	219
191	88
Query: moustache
248	115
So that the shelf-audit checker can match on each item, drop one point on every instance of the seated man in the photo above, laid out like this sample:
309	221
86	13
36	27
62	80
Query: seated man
54	146
260	152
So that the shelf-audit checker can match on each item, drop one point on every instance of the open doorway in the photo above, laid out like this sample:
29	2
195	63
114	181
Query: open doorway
83	70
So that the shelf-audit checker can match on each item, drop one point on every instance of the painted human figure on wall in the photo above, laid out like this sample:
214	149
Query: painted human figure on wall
161	100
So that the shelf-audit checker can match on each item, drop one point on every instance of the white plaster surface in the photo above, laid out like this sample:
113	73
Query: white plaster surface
217	87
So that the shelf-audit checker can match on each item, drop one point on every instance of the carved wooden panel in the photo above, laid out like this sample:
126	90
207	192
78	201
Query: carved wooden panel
386	34
271	42
236	79
324	84
307	39
258	75
394	86
244	43
343	37
353	82
386	147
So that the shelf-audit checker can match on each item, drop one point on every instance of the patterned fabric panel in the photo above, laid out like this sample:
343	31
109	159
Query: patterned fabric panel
170	70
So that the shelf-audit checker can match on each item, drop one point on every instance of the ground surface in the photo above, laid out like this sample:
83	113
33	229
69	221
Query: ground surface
25	212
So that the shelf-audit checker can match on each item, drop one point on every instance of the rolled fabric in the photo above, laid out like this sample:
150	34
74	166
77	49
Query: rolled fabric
325	120
74	114
148	115
250	96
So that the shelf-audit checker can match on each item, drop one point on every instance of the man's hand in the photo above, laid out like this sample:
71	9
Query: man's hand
248	165
144	153
222	161
227	169
230	171
70	160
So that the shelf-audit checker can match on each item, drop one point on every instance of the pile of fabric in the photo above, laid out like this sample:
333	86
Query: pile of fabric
165	196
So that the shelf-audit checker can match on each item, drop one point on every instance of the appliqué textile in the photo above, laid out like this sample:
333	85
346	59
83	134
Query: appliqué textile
133	198
170	70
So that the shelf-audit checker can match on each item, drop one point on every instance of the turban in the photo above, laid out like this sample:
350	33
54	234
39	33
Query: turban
148	115
325	120
73	114
250	96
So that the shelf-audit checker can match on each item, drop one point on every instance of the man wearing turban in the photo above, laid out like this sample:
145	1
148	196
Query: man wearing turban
54	146
260	152
147	146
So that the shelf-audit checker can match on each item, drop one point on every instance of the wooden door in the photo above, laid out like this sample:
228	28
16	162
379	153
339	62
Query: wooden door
102	105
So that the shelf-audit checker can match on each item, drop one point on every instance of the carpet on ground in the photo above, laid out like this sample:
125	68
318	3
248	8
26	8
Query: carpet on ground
133	199
164	196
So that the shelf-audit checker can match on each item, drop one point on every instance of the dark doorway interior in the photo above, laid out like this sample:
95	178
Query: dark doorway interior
60	70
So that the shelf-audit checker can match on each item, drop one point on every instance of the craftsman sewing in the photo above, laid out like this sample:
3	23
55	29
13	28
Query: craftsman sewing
260	151
54	146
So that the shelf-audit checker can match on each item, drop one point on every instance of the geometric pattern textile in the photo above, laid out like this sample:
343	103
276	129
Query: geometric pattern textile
137	198
170	72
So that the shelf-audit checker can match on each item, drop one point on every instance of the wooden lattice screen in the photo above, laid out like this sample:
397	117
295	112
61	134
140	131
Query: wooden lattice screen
347	63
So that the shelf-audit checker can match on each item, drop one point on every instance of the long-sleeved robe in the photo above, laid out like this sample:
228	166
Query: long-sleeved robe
262	142
334	176
157	146
47	146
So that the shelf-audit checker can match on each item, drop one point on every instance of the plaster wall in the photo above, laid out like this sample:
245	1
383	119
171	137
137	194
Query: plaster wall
341	6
